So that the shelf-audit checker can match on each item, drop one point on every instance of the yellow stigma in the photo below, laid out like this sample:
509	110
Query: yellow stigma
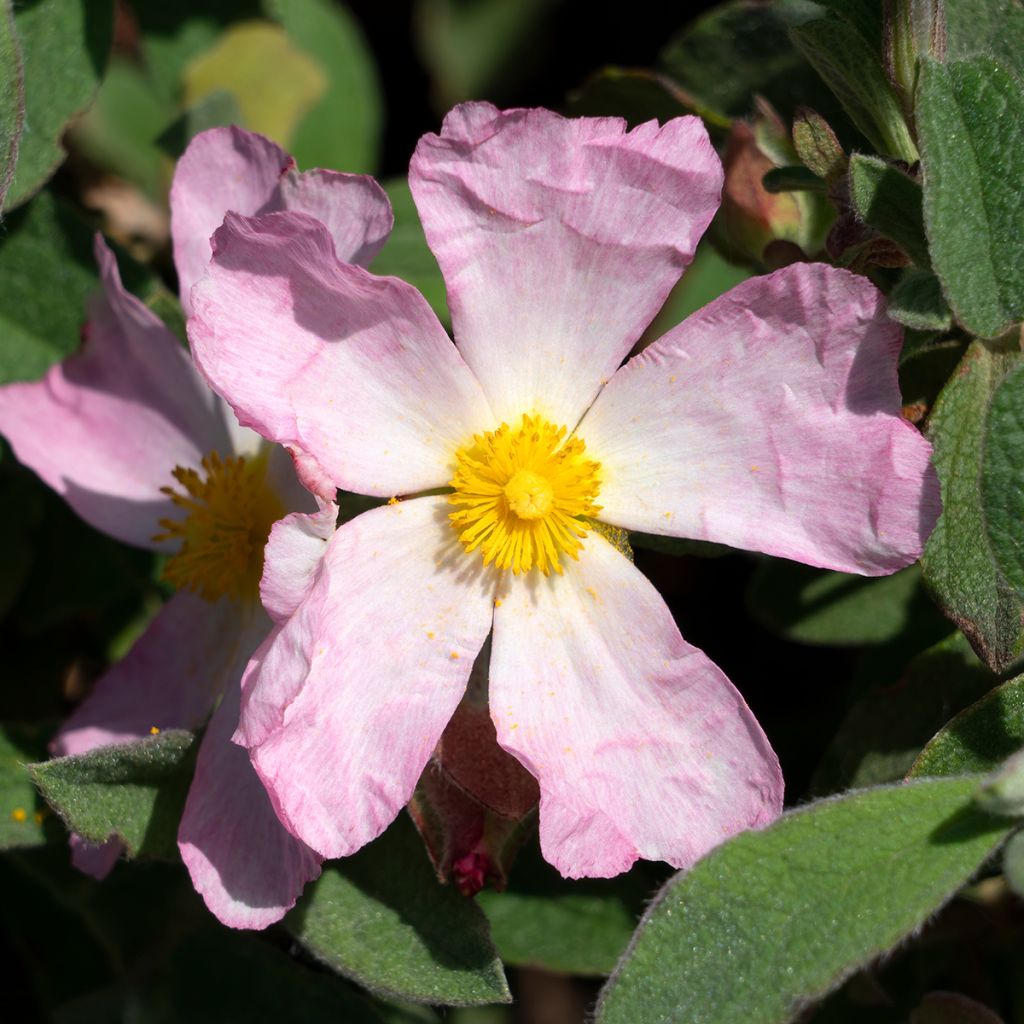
523	494
228	512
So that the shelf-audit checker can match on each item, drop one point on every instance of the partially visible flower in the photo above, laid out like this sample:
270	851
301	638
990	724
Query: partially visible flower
769	421
138	445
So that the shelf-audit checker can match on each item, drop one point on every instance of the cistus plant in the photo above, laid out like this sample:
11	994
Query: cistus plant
357	503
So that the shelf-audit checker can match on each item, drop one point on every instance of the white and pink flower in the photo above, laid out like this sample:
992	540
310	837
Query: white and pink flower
770	421
127	432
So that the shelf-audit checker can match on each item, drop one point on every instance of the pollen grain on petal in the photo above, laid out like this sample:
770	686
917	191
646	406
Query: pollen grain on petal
524	494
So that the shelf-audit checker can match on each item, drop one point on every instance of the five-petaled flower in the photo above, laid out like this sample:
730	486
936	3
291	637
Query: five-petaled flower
769	421
130	435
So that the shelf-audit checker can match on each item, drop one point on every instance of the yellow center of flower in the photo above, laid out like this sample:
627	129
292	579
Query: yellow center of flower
523	494
228	509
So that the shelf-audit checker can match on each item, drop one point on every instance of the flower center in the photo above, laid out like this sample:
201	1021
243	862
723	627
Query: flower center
228	509
523	493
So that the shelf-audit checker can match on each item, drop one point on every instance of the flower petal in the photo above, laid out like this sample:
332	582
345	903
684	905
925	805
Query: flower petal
169	679
642	747
231	169
770	420
106	427
291	559
352	369
559	240
96	860
342	710
247	868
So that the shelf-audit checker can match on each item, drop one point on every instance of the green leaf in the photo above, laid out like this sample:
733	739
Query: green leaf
959	567
22	822
573	927
890	202
1013	863
635	94
793	179
917	302
45	250
220	975
1002	478
815	606
117	132
978	739
884	731
852	68
382	919
752	41
925	369
12	98
406	253
134	792
995	27
343	130
970	117
773	919
64	47
484	48
213	110
271	104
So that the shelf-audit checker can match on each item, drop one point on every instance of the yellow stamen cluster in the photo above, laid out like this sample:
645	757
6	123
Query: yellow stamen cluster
229	510
523	494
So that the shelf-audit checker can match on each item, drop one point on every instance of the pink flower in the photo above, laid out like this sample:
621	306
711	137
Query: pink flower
129	434
768	421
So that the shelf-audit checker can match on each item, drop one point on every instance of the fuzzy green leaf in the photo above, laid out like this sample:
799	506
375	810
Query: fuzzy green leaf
773	919
12	98
978	739
959	566
43	242
852	68
574	927
752	40
1002	478
383	919
406	253
1003	793
343	130
815	606
917	302
22	820
134	792
64	48
890	202
886	729
1013	863
970	117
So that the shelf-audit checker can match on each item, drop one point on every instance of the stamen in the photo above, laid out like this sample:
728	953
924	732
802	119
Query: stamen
524	494
229	510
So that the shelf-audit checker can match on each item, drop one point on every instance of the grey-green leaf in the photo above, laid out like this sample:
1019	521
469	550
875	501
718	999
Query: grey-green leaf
12	98
134	792
852	68
22	820
884	731
382	919
343	130
45	250
64	48
1003	792
978	739
890	202
917	302
1002	478
815	606
970	116
772	920
959	566
574	927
